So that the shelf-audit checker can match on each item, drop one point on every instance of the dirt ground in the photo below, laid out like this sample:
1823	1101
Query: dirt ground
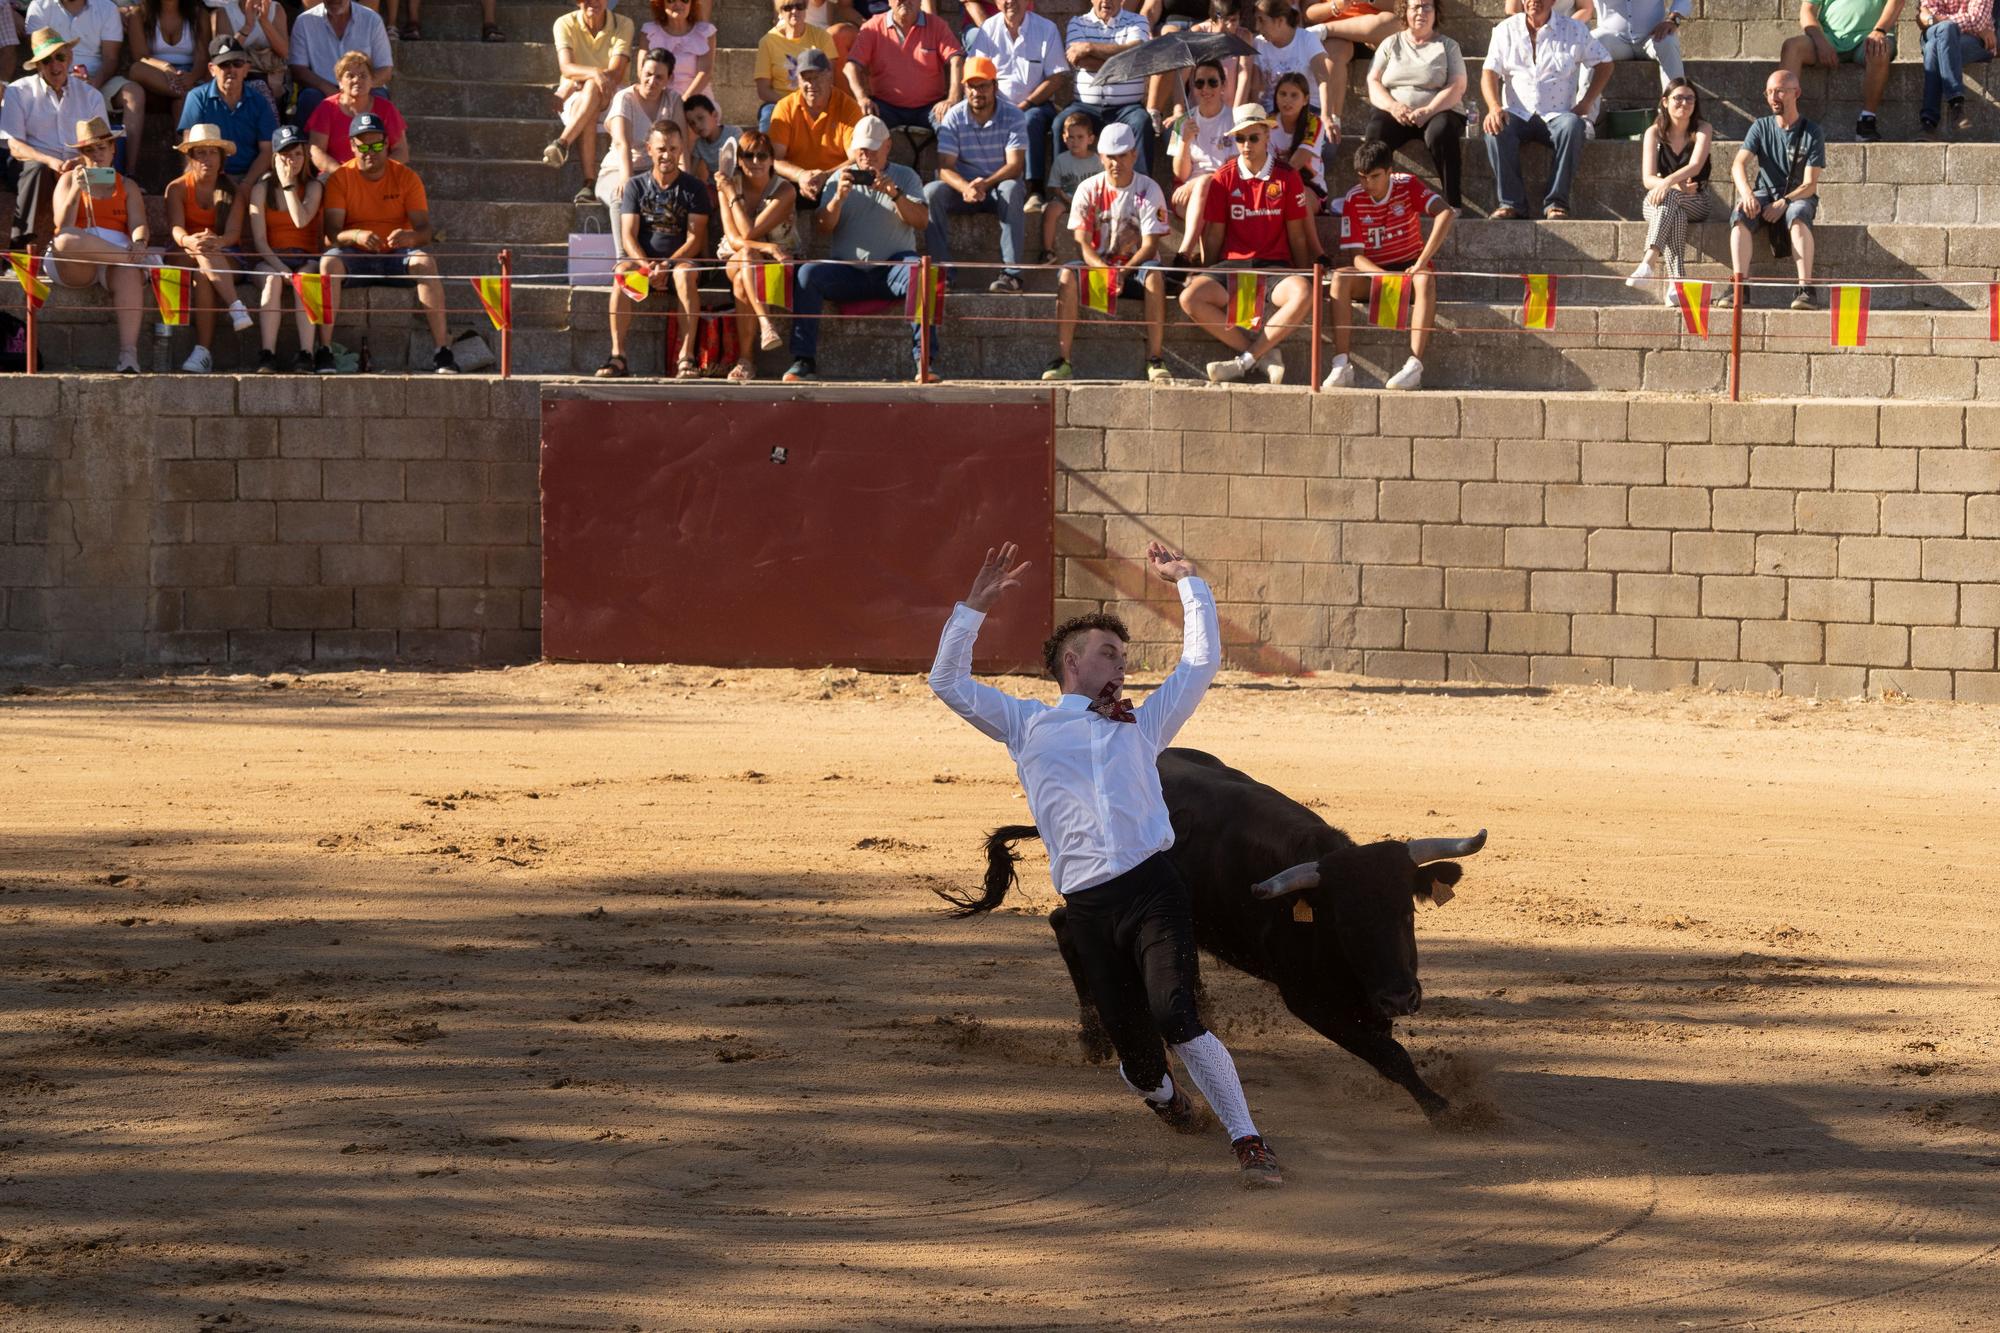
600	998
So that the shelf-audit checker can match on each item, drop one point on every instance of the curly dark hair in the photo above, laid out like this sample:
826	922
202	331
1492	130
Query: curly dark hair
1052	650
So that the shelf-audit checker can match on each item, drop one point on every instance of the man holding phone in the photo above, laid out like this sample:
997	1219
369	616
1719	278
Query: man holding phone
869	217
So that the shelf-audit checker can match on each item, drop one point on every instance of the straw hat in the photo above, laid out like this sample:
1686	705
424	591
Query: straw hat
1250	116
206	136
90	131
45	43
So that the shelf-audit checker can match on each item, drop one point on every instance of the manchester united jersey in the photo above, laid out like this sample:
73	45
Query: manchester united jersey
1256	211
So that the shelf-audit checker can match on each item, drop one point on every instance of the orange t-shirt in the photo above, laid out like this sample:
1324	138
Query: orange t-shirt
815	143
281	231
383	205
194	216
108	212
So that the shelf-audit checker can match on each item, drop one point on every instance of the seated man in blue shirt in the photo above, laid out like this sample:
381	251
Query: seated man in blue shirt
1089	767
982	159
246	119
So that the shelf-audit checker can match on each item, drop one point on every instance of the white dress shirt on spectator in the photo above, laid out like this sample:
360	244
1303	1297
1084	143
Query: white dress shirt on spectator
315	47
1023	63
1539	79
98	23
45	122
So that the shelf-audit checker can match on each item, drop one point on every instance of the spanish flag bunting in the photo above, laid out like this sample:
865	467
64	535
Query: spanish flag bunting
1993	312
1850	316
1389	301
1538	305
913	300
170	292
635	283
311	289
1246	299
774	283
28	272
496	293
1100	290
1693	299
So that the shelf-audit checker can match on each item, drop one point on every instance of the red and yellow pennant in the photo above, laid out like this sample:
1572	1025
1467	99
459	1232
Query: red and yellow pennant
1246	299
1389	300
1993	312
496	294
1100	289
1538	303
1850	316
28	272
311	289
774	284
170	293
1693	299
635	283
920	304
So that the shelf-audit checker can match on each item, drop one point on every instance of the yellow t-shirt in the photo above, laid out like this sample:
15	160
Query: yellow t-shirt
778	56
596	50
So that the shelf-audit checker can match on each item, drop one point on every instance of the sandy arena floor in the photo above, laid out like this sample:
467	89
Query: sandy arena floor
589	998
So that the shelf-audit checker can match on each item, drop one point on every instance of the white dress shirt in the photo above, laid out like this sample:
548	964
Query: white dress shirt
316	47
100	22
1093	785
1023	62
1539	77
45	122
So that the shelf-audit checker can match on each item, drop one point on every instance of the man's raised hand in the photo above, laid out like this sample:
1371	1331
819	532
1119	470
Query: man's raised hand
995	577
1169	565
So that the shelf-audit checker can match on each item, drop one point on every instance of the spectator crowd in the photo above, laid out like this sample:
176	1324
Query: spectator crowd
1211	186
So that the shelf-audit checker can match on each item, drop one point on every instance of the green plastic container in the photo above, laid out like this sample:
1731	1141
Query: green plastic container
1629	124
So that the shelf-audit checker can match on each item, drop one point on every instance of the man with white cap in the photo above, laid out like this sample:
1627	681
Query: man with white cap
868	217
1118	218
982	157
1255	216
40	112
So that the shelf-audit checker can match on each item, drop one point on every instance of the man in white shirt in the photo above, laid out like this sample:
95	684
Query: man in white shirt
1089	767
1533	69
38	120
98	30
325	33
1028	52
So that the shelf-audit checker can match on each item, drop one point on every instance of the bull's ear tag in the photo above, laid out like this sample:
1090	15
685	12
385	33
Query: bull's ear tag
1302	911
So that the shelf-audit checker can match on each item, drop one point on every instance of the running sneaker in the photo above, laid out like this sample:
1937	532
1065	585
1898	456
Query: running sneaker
1642	274
1225	372
1178	1114
1059	369
443	362
302	364
128	361
1803	299
556	153
1341	376
1411	376
323	363
1866	128
805	368
1272	363
1157	372
1259	1164
199	362
240	319
1007	284
267	362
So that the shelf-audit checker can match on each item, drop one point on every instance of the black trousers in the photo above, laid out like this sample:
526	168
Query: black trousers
34	201
1134	941
1443	134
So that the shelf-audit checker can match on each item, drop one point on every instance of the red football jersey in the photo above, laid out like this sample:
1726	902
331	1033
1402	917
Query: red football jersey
1255	211
1390	230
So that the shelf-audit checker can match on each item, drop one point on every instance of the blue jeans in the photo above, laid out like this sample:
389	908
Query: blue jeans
1562	133
1134	116
1947	52
764	117
904	117
841	283
1008	199
1041	126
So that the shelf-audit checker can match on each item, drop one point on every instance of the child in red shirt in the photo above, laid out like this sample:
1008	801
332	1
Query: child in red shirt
1381	231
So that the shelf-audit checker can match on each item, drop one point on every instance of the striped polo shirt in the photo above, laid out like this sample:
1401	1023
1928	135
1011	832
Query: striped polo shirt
1125	29
982	150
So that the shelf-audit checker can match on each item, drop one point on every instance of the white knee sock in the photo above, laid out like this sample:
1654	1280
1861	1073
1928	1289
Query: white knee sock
1207	1062
1162	1094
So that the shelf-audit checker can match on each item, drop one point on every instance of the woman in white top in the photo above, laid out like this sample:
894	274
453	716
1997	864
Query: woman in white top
162	36
630	119
673	28
759	226
1201	144
1300	138
1283	48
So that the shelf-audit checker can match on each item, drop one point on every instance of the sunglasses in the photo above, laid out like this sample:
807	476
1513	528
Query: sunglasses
371	148
1244	140
755	157
234	64
1208	83
791	9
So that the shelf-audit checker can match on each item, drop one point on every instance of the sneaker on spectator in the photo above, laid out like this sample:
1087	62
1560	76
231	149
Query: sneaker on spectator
239	318
1007	284
1961	119
1035	204
128	361
556	153
1411	376
1928	129
1803	299
302	364
1226	372
267	361
1641	275
768	337
1340	375
1059	369
1866	128
1272	363
443	362
323	362
584	195
199	362
805	368
1156	370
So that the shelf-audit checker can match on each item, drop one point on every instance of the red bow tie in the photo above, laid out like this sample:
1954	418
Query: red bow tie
1107	704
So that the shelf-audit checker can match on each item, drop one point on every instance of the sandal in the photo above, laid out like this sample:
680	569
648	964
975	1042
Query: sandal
491	33
413	31
688	369
614	368
1556	214
743	372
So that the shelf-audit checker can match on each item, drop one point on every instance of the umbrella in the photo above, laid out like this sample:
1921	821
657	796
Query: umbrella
1176	50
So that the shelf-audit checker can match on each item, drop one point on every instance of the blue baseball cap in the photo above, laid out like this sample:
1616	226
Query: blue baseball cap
288	136
366	123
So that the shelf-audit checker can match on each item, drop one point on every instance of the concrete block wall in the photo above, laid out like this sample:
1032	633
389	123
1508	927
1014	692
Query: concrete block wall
173	520
1830	549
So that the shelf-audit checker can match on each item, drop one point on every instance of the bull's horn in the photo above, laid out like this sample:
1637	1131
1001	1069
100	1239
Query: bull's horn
1303	876
1425	850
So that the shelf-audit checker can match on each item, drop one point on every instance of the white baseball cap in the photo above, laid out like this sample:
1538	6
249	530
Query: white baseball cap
1117	138
870	132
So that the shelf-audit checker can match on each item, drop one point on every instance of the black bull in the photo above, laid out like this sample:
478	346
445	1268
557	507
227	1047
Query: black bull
1283	895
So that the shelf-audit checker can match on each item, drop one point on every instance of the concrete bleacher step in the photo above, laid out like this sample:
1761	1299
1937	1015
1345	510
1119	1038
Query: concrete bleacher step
510	99
498	137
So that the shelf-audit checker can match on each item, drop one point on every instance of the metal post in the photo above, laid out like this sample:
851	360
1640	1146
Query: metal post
1319	285
507	329
34	337
923	320
1736	339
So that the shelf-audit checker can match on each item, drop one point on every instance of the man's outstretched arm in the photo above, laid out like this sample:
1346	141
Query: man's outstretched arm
998	715
1168	708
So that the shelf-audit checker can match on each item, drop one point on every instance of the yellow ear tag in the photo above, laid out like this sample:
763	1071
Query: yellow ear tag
1302	910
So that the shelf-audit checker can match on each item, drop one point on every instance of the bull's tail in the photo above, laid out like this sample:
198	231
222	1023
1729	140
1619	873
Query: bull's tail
1000	877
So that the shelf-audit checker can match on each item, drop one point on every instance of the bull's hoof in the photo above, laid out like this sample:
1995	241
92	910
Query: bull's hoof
1092	1039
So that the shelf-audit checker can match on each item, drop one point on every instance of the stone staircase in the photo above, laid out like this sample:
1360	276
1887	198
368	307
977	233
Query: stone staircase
479	115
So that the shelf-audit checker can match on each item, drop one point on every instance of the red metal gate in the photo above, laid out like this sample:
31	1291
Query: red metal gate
790	528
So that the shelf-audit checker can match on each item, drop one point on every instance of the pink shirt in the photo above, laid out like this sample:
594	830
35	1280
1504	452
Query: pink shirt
907	70
328	119
1970	15
688	49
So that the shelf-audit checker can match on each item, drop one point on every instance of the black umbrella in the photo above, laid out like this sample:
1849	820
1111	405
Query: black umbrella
1176	50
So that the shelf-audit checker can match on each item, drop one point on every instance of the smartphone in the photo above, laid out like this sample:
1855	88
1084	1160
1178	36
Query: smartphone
100	178
861	175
